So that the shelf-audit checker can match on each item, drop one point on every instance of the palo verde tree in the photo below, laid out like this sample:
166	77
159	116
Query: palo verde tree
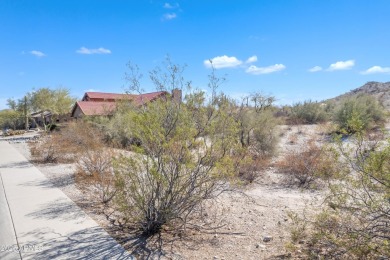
183	155
257	123
10	118
57	101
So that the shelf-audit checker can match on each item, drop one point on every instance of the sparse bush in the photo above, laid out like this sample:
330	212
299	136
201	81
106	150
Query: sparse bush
308	112
355	220
66	144
265	136
308	163
249	167
95	173
175	170
359	114
184	157
45	150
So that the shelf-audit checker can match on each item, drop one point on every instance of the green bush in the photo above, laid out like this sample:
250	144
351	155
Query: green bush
175	168
359	114
308	112
354	222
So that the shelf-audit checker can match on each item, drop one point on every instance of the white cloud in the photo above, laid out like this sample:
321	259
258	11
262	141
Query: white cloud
264	70
169	16
170	6
251	59
224	61
38	54
342	65
376	69
315	69
100	50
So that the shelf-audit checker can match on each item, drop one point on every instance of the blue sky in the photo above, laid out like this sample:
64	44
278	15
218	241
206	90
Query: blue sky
292	49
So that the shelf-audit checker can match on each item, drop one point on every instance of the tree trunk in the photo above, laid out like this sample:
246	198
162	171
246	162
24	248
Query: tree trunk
25	113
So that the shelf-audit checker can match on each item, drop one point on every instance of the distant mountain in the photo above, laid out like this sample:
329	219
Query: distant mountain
379	90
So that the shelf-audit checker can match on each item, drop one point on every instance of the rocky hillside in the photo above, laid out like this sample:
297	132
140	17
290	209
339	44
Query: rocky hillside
377	89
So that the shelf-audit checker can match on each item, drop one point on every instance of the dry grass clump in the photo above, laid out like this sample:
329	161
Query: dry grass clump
13	132
95	174
308	163
250	167
65	145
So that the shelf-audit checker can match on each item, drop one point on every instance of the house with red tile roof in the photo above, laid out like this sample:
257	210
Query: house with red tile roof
100	103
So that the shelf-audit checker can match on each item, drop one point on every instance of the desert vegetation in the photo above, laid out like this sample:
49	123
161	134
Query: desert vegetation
157	167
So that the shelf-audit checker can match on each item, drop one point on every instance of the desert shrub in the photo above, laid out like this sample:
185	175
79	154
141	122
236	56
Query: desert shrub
66	144
14	132
176	170
249	167
308	112
359	114
355	220
95	174
265	138
11	119
309	163
45	150
183	156
257	124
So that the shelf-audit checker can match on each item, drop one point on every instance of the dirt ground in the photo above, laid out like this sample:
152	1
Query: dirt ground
254	223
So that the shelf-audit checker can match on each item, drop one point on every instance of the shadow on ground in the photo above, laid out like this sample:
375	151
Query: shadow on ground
90	243
62	209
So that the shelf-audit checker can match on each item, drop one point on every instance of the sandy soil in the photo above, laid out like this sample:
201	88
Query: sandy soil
248	220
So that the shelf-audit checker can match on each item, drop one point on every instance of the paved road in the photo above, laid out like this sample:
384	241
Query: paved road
38	221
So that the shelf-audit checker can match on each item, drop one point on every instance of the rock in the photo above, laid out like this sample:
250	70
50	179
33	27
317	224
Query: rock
267	238
260	246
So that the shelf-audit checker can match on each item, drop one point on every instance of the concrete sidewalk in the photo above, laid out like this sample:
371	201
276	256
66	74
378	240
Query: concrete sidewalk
38	221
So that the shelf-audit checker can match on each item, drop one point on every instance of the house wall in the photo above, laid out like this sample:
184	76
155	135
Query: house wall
78	113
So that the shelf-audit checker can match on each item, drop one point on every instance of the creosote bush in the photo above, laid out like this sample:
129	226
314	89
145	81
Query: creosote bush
308	112
183	157
359	114
177	168
355	220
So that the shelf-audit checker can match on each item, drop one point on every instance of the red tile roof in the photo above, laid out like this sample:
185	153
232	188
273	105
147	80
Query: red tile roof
115	96
104	103
93	108
106	96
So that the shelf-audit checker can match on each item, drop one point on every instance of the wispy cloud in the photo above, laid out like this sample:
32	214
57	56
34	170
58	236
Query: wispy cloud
264	70
342	65
224	61
251	59
315	69
100	50
375	70
169	16
170	6
38	54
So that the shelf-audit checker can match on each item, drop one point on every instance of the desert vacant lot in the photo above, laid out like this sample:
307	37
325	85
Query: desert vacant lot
245	218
